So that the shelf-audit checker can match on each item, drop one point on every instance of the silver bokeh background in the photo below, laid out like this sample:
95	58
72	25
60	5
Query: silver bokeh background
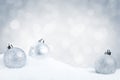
77	31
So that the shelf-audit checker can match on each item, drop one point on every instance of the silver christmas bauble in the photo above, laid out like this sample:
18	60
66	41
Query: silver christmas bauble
40	48
14	57
106	64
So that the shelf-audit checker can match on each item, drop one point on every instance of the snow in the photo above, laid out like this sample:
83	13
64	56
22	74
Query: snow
47	68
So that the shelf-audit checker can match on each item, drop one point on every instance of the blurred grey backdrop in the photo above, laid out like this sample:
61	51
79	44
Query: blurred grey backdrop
77	31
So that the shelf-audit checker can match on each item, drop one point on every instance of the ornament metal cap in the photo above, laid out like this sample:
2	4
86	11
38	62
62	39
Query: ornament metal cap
41	41
10	46
108	52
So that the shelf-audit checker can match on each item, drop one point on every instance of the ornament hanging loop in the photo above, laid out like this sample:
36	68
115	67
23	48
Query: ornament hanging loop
41	41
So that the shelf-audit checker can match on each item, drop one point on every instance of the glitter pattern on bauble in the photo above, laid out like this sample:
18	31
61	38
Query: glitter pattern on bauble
40	48
106	64
14	57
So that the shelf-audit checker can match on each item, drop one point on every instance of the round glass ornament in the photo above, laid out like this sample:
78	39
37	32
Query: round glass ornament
105	64
14	57
40	48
